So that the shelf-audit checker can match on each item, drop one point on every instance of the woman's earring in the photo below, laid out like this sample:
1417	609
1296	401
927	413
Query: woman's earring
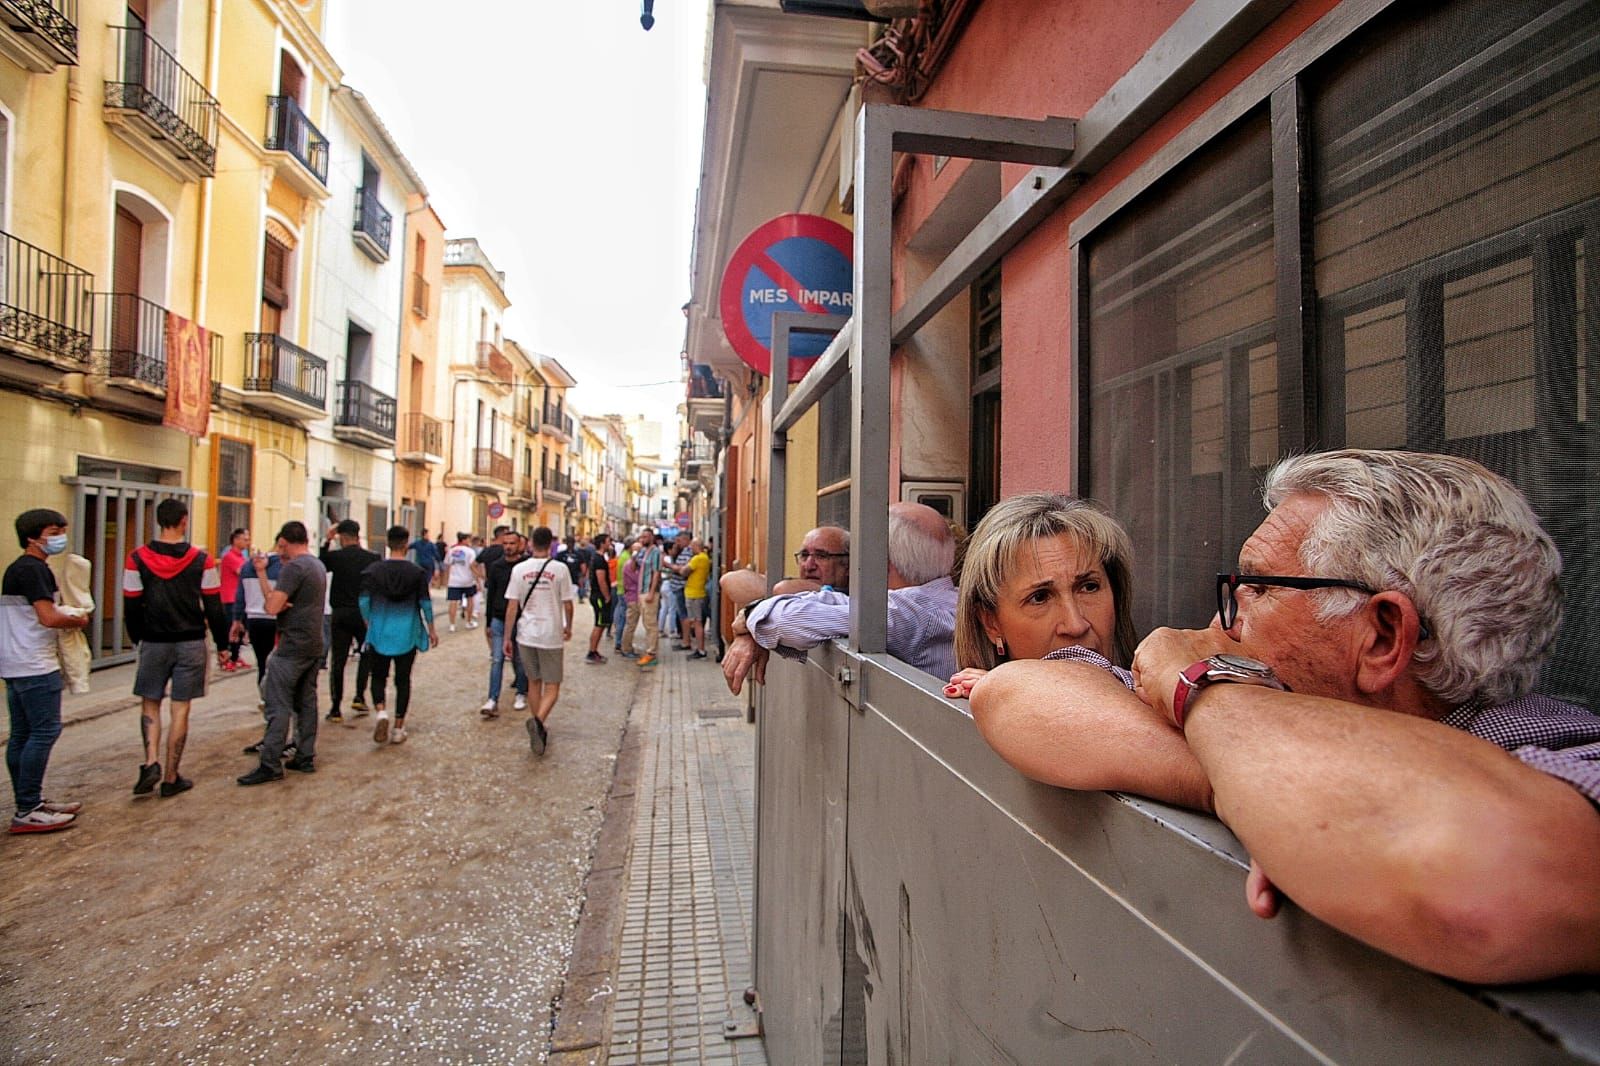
1000	648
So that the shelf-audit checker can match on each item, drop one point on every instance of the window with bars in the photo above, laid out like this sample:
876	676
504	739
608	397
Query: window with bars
233	481
1440	165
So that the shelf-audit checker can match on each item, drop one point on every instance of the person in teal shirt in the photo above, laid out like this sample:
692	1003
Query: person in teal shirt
398	609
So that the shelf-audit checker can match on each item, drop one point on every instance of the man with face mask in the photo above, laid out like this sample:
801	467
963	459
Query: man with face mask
30	612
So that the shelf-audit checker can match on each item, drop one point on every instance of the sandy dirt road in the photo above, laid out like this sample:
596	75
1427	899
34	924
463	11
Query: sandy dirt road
409	903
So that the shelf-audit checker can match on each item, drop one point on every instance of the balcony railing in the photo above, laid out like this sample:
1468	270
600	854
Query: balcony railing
175	108
273	364
486	462
289	130
53	22
131	338
360	406
557	419
373	222
44	303
494	361
419	295
556	481
697	452
524	487
421	434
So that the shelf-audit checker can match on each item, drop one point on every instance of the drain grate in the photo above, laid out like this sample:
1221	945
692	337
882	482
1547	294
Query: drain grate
721	711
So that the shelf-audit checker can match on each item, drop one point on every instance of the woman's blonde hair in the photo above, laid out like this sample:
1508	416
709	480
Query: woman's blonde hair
1005	532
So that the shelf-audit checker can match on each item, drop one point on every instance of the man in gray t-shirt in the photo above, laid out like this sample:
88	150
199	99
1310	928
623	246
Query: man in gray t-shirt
290	686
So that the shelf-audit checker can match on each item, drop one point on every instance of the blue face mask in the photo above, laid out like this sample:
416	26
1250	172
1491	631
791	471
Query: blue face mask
55	545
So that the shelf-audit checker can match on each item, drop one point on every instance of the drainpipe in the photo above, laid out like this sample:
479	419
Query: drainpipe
202	275
69	159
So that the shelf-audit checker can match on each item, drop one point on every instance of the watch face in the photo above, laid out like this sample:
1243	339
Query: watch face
1241	662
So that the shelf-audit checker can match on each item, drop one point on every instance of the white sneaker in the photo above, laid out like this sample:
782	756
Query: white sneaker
40	820
380	729
452	627
520	703
397	735
490	709
472	625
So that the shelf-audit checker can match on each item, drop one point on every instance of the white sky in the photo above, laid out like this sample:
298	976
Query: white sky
567	140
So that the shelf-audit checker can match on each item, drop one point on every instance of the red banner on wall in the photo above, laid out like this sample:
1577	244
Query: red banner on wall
188	377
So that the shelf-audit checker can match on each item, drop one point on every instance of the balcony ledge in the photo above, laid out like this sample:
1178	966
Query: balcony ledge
419	458
296	174
275	403
154	143
367	438
370	247
25	45
477	483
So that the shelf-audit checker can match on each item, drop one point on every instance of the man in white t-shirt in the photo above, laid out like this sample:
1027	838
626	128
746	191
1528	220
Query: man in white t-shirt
462	582
542	594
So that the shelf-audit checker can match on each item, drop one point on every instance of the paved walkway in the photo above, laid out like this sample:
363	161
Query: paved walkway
675	989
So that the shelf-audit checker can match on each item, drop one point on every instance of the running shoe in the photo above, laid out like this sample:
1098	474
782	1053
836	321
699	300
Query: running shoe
538	736
334	716
261	775
594	658
59	808
697	655
520	703
40	820
380	728
490	709
647	661
359	708
397	735
172	788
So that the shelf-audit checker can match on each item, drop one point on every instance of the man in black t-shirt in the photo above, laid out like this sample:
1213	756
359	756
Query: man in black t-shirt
29	618
503	557
345	565
600	593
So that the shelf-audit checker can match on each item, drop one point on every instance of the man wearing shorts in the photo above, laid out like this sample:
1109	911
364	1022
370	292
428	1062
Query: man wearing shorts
600	594
462	582
539	606
171	594
696	577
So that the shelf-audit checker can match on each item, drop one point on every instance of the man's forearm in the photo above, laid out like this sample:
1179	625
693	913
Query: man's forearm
1419	839
1075	725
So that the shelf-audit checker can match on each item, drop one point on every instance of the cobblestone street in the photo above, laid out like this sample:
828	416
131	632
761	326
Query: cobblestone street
405	904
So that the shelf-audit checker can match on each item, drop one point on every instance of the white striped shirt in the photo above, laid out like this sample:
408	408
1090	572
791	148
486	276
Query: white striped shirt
922	623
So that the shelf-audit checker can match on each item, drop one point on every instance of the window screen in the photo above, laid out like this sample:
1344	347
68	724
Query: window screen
1183	370
1455	182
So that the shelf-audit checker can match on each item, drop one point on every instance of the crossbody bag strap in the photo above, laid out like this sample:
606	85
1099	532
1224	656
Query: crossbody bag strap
533	585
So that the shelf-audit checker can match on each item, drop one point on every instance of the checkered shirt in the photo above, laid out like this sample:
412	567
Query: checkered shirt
1558	738
1078	654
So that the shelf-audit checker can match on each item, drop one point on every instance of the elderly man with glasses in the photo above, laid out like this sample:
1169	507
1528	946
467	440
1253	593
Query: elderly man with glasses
1360	714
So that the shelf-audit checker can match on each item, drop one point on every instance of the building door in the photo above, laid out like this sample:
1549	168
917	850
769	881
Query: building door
126	267
291	81
111	517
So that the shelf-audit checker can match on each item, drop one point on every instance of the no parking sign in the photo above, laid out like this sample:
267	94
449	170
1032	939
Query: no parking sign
792	263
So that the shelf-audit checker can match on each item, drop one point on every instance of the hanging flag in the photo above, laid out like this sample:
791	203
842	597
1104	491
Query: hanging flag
188	377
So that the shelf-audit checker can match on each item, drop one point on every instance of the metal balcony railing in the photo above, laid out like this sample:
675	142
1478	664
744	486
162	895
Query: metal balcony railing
44	303
55	21
360	406
289	130
421	434
152	82
556	481
273	364
486	462
495	362
419	295
373	219
131	338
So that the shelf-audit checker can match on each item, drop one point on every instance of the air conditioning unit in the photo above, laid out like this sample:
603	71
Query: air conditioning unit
949	498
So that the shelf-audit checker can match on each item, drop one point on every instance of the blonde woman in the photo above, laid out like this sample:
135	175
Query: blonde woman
1045	576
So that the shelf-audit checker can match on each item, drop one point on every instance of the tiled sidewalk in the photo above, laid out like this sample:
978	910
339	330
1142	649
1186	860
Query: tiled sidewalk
685	950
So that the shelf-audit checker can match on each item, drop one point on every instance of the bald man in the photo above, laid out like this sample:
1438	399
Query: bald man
922	605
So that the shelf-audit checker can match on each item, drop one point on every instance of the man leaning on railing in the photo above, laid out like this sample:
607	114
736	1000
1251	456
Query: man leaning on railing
1359	714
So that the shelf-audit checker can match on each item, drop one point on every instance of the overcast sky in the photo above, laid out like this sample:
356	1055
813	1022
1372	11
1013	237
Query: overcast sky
567	140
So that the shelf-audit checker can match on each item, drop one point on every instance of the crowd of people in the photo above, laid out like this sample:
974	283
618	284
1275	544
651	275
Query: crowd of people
305	610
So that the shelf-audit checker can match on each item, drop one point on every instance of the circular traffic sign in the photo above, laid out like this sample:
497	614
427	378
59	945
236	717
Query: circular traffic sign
796	263
497	509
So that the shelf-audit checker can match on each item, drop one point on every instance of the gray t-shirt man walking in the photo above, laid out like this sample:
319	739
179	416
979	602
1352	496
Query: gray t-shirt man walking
290	686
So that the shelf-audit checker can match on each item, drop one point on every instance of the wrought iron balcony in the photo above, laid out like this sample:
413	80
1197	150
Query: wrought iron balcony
289	130
556	422
44	305
284	377
419	295
363	414
131	339
161	107
373	222
38	35
486	462
494	361
557	484
421	438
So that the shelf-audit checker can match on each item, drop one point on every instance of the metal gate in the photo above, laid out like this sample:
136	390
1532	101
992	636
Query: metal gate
109	519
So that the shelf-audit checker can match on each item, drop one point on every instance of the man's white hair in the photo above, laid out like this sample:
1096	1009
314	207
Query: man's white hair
918	552
1456	538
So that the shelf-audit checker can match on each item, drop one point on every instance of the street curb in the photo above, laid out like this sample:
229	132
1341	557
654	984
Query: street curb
582	1021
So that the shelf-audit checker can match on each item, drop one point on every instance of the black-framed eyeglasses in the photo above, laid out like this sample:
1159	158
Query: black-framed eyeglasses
1228	584
820	556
